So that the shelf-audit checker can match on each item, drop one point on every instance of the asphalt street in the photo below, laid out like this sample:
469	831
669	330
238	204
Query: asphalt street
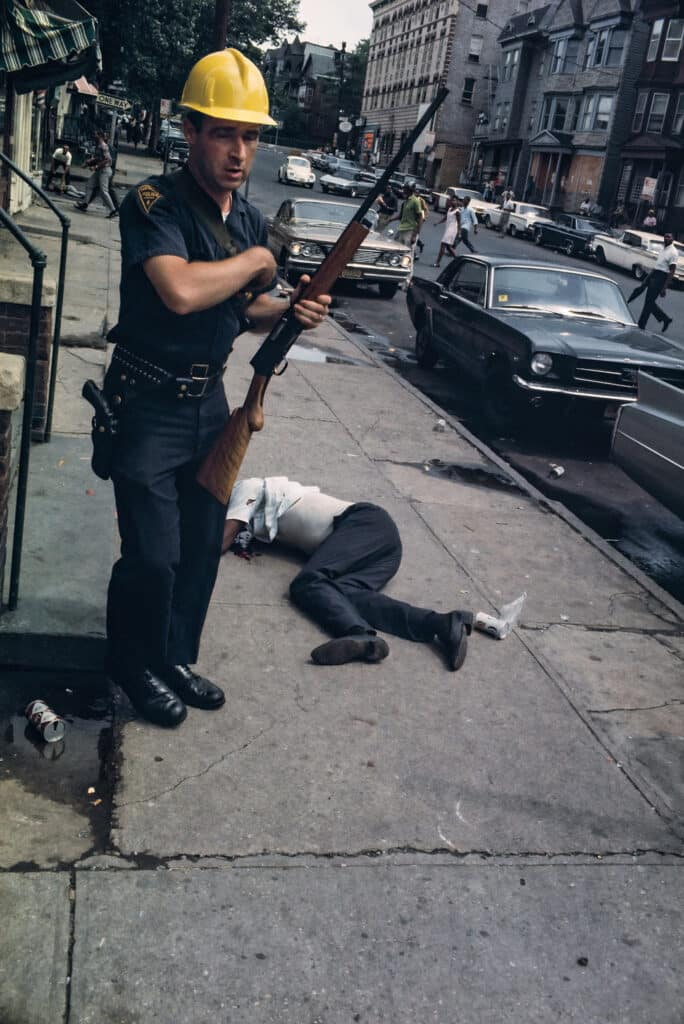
592	486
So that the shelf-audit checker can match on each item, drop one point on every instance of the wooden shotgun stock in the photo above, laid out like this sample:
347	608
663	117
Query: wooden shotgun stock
221	467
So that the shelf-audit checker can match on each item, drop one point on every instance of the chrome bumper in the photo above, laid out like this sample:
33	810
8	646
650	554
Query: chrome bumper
538	387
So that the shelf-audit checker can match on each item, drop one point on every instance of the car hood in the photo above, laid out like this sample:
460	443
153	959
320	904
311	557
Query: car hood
313	231
297	172
591	339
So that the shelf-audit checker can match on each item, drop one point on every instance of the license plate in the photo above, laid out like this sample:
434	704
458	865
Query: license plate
351	272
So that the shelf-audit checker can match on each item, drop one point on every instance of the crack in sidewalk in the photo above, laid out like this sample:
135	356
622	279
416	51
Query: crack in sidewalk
648	707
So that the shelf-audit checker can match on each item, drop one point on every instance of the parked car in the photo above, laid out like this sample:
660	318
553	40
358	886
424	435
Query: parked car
648	440
569	233
525	217
304	230
348	182
296	170
534	331
634	251
319	160
333	164
440	199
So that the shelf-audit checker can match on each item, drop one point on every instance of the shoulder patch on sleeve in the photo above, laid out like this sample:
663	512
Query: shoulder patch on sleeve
148	196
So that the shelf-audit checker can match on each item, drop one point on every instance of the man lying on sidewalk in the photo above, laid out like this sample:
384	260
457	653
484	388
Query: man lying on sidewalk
353	551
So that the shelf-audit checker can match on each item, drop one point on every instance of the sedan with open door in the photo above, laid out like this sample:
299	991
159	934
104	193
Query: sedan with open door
536	334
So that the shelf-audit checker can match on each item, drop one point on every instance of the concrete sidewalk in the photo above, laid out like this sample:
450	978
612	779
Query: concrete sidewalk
369	843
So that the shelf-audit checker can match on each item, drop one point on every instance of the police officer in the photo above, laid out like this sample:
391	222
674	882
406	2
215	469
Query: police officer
195	273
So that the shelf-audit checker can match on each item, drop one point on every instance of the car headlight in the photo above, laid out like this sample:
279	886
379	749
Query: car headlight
541	363
310	249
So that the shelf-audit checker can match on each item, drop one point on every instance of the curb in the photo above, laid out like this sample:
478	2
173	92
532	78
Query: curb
558	509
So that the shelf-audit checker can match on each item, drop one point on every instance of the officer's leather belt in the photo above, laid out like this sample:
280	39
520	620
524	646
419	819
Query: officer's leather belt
134	371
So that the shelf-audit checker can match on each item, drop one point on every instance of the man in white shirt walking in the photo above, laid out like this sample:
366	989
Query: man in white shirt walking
353	550
657	283
467	222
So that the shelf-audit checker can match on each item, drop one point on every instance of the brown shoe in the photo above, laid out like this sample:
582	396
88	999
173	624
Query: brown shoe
350	648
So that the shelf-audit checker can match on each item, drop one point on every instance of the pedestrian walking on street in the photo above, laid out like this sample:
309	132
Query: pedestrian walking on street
353	551
446	246
195	273
101	177
410	218
387	206
420	245
508	206
657	283
467	222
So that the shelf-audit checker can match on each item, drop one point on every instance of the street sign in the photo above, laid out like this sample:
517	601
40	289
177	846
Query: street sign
345	126
113	101
360	121
649	188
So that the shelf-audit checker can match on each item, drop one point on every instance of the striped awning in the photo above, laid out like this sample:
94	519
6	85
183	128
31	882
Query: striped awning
36	33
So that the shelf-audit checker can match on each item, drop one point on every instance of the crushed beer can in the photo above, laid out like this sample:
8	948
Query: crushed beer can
44	720
501	627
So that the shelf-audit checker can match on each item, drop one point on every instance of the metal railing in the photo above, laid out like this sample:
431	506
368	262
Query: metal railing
38	262
65	222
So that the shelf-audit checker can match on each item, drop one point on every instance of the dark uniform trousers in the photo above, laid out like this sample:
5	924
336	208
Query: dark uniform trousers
654	286
338	587
171	528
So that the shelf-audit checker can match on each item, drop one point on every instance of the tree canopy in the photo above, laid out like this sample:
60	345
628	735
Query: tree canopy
152	46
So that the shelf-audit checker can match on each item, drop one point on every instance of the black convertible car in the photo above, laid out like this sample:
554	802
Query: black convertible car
536	334
569	233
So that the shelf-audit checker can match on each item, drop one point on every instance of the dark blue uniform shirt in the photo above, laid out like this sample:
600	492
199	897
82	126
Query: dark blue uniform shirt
157	220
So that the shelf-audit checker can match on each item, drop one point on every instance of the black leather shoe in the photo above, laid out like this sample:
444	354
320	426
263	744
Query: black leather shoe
361	647
151	697
195	690
454	640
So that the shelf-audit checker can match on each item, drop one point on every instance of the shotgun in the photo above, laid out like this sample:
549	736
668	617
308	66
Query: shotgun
220	468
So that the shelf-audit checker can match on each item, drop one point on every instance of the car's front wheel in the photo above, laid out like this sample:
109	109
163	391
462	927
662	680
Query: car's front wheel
501	402
568	248
388	289
425	352
487	221
538	237
639	272
512	230
324	188
600	256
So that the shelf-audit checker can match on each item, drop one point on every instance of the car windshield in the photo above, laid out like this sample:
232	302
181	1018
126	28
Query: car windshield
590	225
298	161
526	208
322	213
345	172
558	291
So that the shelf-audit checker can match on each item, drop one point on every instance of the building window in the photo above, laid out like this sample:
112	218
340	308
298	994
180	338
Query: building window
468	89
510	65
678	121
616	48
654	42
554	113
475	49
639	109
542	66
497	117
533	116
481	10
604	108
505	116
564	57
589	112
656	117
673	40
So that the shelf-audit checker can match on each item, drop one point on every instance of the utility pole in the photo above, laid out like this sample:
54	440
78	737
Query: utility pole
222	14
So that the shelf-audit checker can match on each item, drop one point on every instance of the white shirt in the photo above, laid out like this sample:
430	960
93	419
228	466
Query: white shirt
666	258
277	507
468	218
61	157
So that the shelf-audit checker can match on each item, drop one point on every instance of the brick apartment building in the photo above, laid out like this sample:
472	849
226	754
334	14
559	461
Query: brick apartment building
416	46
564	104
655	149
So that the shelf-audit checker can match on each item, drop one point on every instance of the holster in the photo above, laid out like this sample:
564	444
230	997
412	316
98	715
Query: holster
105	427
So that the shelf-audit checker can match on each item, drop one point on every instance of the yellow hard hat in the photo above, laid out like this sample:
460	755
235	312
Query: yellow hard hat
227	85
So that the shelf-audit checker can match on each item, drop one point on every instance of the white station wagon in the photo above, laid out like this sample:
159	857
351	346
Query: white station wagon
634	251
296	171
